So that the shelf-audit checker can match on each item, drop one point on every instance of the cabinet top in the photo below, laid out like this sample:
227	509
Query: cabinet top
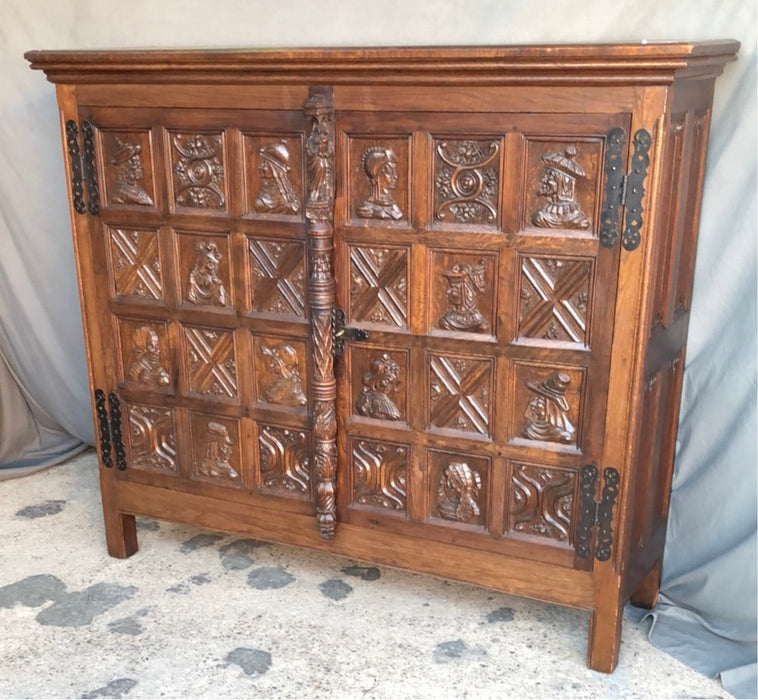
644	62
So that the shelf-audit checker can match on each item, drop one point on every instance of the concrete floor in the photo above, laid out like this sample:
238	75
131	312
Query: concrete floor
196	614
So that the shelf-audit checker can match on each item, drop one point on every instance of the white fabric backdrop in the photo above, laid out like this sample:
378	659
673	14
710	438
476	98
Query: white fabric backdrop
708	612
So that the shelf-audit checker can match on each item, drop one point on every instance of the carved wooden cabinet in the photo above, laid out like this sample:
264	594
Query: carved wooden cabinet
421	307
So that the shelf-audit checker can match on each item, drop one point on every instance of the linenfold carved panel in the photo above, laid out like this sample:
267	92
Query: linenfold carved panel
467	181
379	474
555	299
562	183
210	363
128	168
151	439
284	459
197	162
460	391
542	501
215	444
135	264
379	285
278	276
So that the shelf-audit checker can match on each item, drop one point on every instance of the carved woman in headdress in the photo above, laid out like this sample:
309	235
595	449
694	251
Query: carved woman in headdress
458	490
382	379
380	166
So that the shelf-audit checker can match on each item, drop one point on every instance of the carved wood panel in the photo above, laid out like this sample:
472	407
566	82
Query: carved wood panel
135	269
151	438
284	458
547	403
198	171
145	354
204	270
210	362
379	180
562	183
216	450
274	176
281	371
466	181
542	501
277	276
127	164
379	383
460	393
459	487
555	298
379	474
379	285
463	292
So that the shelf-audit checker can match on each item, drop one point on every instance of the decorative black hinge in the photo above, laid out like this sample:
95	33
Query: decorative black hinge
592	512
118	442
75	161
624	189
103	429
341	333
88	164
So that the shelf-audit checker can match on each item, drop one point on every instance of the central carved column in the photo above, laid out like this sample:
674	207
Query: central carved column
319	211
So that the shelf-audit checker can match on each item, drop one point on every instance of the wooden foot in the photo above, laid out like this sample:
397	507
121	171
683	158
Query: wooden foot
646	595
604	638
121	534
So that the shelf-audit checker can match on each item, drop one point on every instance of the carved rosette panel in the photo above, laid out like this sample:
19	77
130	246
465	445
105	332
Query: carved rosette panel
459	487
278	277
319	211
460	390
210	362
280	368
379	474
555	299
215	449
284	459
145	353
466	181
128	168
542	500
135	264
152	439
463	292
274	176
198	169
378	285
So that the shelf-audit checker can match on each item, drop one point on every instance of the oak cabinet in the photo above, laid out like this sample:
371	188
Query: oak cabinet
421	307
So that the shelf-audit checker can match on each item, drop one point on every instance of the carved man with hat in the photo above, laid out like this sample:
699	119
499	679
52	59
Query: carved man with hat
558	184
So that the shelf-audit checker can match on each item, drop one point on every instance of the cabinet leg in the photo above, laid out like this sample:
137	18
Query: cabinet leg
121	534
604	638
646	595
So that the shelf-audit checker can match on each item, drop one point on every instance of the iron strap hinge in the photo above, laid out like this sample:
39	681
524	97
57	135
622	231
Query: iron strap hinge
82	164
594	513
624	189
109	430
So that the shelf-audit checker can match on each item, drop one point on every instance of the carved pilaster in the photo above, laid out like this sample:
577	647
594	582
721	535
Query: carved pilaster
319	211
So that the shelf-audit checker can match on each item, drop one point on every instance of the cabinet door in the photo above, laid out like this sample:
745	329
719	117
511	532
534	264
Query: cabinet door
467	247
201	244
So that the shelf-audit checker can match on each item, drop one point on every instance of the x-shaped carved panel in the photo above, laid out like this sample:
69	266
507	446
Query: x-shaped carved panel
212	367
378	285
555	299
136	263
459	393
278	277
